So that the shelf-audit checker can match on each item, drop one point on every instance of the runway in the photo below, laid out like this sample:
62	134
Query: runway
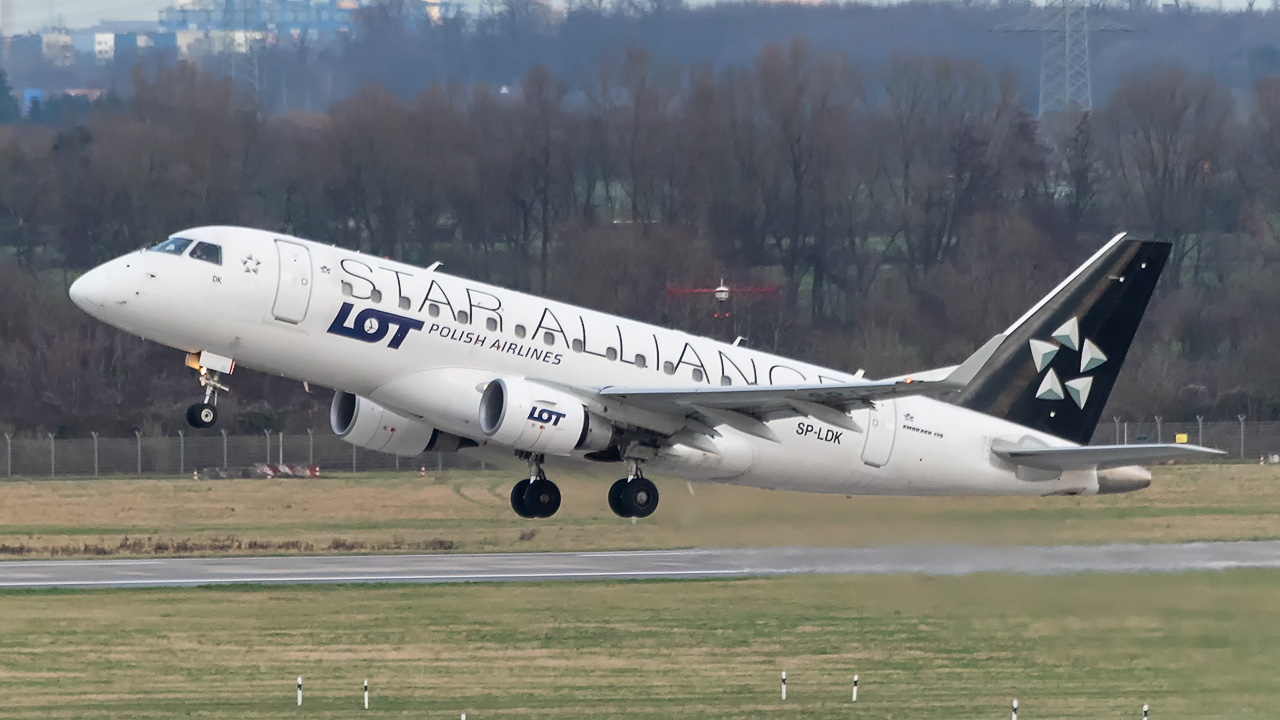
638	565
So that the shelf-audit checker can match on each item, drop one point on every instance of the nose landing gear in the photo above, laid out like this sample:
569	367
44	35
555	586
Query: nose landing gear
202	415
210	367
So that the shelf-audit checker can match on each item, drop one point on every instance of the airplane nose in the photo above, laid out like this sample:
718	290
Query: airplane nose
89	291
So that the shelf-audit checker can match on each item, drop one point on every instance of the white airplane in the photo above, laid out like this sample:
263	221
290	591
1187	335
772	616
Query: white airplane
424	361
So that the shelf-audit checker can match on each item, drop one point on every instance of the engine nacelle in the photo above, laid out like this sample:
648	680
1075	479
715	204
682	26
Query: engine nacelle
528	416
366	424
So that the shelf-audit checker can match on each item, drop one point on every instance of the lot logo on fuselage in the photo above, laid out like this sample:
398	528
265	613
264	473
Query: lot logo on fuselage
372	325
544	415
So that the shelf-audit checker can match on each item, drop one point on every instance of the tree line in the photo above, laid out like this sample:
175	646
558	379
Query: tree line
905	211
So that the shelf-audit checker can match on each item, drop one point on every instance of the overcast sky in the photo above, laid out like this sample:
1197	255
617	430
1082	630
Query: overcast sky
32	15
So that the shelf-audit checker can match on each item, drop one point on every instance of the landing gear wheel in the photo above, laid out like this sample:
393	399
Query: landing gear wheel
615	499
202	415
517	499
542	498
638	497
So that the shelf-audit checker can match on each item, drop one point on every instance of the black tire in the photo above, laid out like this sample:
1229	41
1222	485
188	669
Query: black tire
202	415
517	499
542	498
615	499
639	497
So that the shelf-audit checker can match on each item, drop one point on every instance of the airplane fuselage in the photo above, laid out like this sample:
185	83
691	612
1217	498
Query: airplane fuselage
425	344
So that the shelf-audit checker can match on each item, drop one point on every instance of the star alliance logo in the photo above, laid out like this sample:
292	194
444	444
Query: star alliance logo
1091	357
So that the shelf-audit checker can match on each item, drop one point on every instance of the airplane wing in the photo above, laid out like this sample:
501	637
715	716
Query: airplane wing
1100	456
828	402
756	398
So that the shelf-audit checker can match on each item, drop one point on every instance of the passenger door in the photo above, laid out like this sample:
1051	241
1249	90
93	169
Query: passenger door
882	425
293	294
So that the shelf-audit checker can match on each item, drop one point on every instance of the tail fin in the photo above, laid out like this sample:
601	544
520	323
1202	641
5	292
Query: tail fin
1057	364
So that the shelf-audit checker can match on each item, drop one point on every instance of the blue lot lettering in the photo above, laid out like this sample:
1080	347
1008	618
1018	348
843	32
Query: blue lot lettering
544	415
372	325
820	434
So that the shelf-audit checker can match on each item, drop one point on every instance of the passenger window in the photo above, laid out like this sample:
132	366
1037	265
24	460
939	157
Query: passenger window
640	361
669	367
697	375
207	252
173	246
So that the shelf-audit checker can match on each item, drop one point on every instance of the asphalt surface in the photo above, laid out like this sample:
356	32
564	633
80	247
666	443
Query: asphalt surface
669	564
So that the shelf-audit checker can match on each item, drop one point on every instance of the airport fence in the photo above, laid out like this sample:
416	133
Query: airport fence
227	455
217	454
1241	440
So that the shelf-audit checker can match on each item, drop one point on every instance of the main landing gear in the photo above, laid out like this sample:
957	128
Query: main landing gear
633	496
535	497
205	414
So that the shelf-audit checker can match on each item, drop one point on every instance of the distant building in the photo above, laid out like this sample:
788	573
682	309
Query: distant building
104	47
26	49
233	26
30	97
57	48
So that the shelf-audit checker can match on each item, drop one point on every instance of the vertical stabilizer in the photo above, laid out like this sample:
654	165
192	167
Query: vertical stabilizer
1059	361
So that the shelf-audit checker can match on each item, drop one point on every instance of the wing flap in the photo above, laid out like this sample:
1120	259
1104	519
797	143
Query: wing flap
756	397
1101	456
835	396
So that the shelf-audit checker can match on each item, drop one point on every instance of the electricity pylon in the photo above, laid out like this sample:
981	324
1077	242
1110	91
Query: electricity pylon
1066	81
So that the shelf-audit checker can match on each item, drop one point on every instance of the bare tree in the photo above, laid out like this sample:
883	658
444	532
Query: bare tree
1166	133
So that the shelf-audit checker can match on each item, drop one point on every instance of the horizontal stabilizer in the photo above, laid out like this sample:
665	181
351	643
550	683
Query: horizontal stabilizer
1101	456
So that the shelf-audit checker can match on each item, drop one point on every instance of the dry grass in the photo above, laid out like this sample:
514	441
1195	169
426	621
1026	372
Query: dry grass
1194	646
468	511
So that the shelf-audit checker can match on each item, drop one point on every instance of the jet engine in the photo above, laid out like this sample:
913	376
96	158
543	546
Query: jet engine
528	416
366	424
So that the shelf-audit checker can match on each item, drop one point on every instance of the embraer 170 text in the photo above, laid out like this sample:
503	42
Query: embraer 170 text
424	361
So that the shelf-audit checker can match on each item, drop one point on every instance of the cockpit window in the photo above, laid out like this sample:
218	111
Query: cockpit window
207	252
173	246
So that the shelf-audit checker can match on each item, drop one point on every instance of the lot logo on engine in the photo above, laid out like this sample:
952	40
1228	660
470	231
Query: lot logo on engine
544	415
372	325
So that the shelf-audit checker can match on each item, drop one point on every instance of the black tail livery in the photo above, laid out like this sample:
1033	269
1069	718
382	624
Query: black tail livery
1058	363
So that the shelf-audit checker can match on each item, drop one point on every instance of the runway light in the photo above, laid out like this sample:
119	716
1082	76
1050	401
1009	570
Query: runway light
299	691
784	684
855	688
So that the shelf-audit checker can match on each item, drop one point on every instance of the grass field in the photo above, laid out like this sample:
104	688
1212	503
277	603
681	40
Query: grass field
1195	646
469	512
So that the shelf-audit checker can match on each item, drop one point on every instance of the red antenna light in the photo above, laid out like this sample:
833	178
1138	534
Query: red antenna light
723	292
